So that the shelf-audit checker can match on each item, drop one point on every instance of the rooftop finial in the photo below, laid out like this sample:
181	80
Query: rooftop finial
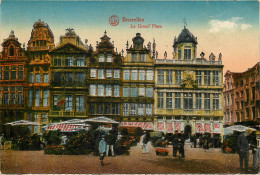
105	32
185	23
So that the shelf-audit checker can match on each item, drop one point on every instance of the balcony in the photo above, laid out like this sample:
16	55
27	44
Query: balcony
68	114
190	62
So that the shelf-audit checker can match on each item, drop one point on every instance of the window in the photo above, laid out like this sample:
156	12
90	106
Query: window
149	75
1	69
161	76
216	78
108	108
38	77
187	54
68	103
100	108
80	103
179	54
7	73
116	90
57	77
101	90
30	100
116	73
160	100
46	78
126	92
69	61
13	74
101	73
126	74
199	77
36	128
80	77
12	98
148	109
141	74
115	108
69	77
247	94
142	91
169	100
178	77
169	77
134	75
215	101
57	62
37	97
142	57
134	92
101	58
11	51
140	109
207	78
177	100
207	101
149	92
93	73
253	93
6	98
109	73
126	109
80	62
133	108
188	101
134	57
44	117
198	101
109	58
92	108
46	98
108	90
92	89
20	74
20	98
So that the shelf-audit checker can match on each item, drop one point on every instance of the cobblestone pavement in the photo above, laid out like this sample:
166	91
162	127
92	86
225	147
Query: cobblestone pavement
197	161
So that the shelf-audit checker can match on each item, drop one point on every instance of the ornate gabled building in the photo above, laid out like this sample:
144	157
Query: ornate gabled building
104	80
138	85
41	41
188	90
69	67
13	84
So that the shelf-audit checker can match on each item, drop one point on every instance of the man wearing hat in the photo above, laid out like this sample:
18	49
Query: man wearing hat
243	149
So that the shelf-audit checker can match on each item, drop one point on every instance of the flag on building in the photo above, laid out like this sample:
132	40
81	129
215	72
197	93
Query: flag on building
61	100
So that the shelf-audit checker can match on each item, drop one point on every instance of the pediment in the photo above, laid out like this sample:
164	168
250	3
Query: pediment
69	48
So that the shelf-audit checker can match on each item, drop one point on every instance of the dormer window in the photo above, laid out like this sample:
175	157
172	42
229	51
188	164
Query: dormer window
109	58
187	54
142	57
101	58
11	51
134	57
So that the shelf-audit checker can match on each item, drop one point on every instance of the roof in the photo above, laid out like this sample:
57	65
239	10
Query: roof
240	74
185	36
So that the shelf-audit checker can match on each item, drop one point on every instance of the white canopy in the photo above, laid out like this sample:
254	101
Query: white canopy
101	120
22	122
240	128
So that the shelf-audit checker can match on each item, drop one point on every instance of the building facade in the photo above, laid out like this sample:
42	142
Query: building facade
188	90
241	94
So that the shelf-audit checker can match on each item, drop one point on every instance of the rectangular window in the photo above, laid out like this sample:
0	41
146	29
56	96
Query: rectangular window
149	92
101	74
30	100
169	77
216	101
69	77
169	100
57	77
141	91
7	73
44	117
37	97
148	109
134	57
101	90
188	101
178	77
216	78
115	108
116	73
101	58
31	78
80	62
80	78
160	100
108	108
149	75
36	128
199	77
125	109
109	58
179	54
12	98
108	90
198	101
177	100
20	74
69	61
134	92
46	98
133	108
80	103
109	73
126	74
187	54
207	78
20	98
92	89
253	93
134	75
57	62
126	91
92	108
161	76
100	108
6	98
141	74
93	73
207	101
142	57
116	90
13	74
141	109
38	78
46	78
68	103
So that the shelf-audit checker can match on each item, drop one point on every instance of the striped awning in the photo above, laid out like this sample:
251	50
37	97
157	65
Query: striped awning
65	127
143	125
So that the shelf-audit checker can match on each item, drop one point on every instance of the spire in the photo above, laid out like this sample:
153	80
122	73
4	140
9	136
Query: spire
127	44
185	23
105	33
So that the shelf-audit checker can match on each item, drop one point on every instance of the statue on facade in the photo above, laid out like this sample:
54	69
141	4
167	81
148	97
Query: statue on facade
202	54
220	57
70	32
165	55
212	57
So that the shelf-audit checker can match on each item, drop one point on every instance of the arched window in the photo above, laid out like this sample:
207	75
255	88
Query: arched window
11	51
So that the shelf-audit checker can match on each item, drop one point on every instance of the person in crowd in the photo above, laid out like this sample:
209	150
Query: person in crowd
195	141
2	140
255	151
102	149
64	139
110	139
180	144
145	143
243	149
174	140
191	141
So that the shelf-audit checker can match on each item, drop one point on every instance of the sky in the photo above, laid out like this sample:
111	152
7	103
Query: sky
227	27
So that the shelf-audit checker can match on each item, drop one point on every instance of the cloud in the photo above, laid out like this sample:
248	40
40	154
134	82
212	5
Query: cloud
231	25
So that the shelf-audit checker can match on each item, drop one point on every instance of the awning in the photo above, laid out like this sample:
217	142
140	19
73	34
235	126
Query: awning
216	128
161	126
169	127
65	127
23	123
207	127
143	125
101	120
199	128
177	126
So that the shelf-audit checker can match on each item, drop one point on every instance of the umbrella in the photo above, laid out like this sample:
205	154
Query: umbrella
240	128
101	120
74	121
22	122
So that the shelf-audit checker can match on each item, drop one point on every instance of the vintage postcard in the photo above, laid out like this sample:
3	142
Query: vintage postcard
129	87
